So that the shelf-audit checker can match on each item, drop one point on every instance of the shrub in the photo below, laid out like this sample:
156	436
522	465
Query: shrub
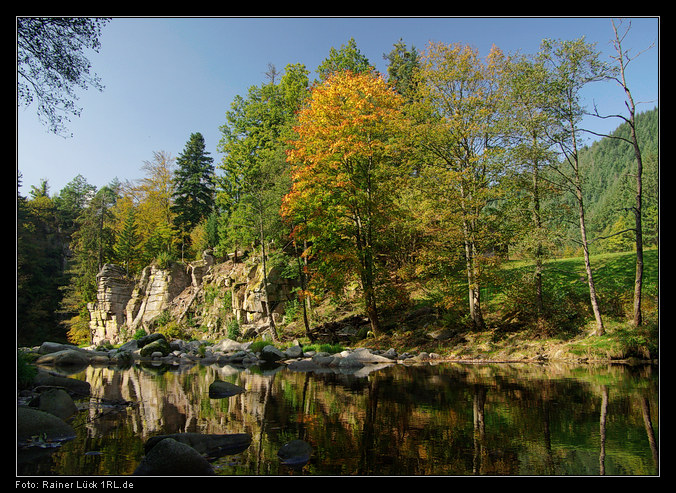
174	330
324	348
25	373
233	329
139	333
164	260
257	346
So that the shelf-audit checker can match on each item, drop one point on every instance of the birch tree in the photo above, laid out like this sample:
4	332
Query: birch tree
572	65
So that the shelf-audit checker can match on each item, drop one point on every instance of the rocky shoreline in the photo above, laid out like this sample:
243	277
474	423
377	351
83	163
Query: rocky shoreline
156	349
46	406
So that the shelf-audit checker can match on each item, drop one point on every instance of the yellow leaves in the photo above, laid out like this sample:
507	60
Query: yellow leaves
345	128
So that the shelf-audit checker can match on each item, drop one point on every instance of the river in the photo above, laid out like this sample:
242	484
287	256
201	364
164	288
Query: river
445	419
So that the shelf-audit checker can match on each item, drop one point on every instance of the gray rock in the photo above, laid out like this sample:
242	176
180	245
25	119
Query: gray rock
213	445
158	345
173	458
390	353
363	355
33	425
323	359
271	354
293	352
145	340
121	357
72	385
53	347
304	365
130	346
57	402
349	363
65	357
228	345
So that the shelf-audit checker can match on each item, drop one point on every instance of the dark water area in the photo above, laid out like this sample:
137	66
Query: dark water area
430	420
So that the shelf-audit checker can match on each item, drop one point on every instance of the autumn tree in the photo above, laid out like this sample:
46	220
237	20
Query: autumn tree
344	157
457	116
152	199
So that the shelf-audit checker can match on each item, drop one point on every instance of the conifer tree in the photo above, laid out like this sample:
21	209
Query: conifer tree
193	187
127	244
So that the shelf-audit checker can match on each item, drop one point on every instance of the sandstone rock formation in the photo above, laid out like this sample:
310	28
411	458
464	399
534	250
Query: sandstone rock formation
211	293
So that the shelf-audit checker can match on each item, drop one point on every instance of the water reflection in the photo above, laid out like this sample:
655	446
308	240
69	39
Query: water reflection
448	419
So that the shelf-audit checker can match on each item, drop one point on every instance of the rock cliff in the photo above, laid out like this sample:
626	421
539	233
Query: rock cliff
207	294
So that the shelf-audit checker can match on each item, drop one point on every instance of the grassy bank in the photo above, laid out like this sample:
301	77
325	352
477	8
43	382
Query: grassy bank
512	332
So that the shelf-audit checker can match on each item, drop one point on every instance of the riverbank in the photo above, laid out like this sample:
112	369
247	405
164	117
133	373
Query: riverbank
616	346
511	332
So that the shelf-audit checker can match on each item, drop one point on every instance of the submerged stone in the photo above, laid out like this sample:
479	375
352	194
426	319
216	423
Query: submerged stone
34	426
212	445
295	453
173	458
220	389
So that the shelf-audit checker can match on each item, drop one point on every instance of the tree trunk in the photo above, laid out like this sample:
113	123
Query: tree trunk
631	106
587	264
303	287
474	292
268	312
364	250
638	281
537	222
583	233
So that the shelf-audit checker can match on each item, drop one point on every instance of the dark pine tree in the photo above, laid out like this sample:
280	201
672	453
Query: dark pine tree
193	187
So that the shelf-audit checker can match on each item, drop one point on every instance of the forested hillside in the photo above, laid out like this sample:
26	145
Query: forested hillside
609	170
414	188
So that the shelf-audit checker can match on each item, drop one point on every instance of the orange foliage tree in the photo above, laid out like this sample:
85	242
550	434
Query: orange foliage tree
345	161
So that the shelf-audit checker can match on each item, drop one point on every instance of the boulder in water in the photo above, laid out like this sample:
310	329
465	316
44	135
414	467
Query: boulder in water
34	427
173	458
212	445
295	453
57	402
220	389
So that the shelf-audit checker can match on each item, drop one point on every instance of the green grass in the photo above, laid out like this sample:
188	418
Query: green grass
324	348
514	332
565	284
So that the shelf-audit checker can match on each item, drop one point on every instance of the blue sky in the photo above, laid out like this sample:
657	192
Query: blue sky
166	78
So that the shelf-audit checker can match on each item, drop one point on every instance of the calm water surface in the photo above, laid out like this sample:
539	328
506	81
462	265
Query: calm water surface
445	419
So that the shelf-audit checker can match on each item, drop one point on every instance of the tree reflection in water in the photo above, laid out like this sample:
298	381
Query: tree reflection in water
445	419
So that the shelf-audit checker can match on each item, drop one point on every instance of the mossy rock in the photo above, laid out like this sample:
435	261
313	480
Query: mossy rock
33	425
159	345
